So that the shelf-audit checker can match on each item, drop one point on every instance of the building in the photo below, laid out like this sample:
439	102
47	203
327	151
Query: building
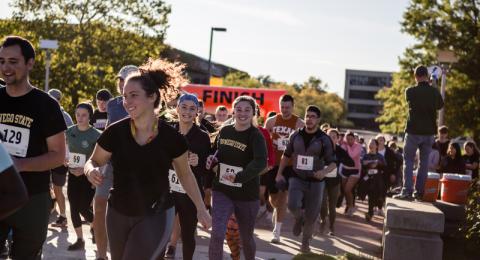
361	86
196	67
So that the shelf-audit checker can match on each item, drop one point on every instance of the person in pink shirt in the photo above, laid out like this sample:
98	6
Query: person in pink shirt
351	175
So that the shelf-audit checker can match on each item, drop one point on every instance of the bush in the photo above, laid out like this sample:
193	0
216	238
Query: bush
471	229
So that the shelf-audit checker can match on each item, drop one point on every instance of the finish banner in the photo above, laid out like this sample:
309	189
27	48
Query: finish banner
216	96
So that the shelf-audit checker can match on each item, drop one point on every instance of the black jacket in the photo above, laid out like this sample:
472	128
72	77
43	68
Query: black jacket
423	102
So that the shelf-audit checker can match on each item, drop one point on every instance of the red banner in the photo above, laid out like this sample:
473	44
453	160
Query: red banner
212	97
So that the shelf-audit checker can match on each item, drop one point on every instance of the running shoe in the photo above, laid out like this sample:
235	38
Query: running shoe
170	253
368	217
79	245
403	196
305	247
60	222
332	231
276	238
297	227
351	211
418	197
380	212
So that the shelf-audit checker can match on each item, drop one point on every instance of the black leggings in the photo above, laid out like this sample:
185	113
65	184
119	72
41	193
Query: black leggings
187	214
80	195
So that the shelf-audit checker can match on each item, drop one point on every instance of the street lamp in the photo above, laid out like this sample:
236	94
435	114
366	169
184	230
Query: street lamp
48	45
218	29
446	58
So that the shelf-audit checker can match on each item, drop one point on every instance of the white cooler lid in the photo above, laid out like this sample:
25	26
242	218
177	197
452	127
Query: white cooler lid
460	177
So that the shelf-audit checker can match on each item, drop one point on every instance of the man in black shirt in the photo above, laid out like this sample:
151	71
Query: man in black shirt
423	102
34	134
100	116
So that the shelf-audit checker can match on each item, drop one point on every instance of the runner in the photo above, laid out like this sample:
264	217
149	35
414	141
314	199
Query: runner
59	174
81	140
241	156
198	149
281	126
140	211
13	193
115	112
373	180
332	185
100	115
204	123
311	152
221	115
389	170
351	175
35	136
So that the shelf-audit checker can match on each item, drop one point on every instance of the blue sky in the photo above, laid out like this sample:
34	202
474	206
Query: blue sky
291	40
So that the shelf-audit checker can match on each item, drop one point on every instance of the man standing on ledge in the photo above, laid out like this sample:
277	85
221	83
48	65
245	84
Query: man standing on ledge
423	102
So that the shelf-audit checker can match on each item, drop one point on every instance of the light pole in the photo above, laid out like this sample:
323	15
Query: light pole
48	45
446	58
218	29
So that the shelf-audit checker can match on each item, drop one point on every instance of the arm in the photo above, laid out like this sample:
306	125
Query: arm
54	157
329	158
13	193
281	167
300	124
99	158
259	162
189	183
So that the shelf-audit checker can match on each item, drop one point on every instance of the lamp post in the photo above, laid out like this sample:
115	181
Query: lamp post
218	29
48	45
446	58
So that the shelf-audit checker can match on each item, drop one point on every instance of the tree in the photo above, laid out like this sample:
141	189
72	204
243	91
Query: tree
241	79
96	38
439	25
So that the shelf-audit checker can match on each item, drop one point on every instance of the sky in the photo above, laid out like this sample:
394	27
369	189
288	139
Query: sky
290	40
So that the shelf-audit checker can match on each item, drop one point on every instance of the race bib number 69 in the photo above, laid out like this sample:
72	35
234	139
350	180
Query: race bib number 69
15	139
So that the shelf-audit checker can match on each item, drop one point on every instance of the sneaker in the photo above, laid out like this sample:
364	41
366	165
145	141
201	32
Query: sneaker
3	250
79	245
305	247
332	231
170	253
61	222
368	217
297	227
418	197
276	238
351	211
380	212
403	196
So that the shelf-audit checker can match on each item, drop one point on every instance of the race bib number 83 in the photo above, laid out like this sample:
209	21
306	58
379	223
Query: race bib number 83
15	139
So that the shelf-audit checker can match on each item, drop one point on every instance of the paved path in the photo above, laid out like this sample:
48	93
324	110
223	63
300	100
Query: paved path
353	235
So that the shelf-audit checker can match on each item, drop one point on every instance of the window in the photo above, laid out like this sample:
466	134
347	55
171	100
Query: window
361	80
362	94
369	109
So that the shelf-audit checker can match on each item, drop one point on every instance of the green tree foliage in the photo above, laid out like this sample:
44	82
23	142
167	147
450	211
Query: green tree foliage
440	25
311	92
96	38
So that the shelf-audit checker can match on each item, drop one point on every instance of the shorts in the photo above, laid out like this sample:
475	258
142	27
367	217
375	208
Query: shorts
268	179
103	190
59	176
346	173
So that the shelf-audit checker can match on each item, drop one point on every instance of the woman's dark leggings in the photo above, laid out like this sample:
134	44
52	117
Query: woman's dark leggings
80	195
187	213
330	198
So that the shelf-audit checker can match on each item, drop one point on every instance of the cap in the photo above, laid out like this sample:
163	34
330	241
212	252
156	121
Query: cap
55	93
188	96
126	70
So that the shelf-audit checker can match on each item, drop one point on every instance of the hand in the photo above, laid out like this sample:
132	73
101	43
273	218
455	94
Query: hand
204	218
211	161
393	178
320	174
230	178
76	171
65	163
280	178
95	176
192	159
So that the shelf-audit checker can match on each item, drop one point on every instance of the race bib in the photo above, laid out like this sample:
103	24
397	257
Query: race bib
282	143
76	160
15	139
372	171
228	170
305	163
332	174
175	184
100	123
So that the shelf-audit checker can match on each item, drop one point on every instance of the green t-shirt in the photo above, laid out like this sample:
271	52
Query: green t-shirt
80	145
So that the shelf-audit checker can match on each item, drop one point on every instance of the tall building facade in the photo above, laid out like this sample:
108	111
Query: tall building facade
361	86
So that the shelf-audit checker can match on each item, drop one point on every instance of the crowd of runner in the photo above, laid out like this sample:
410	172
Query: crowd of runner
143	169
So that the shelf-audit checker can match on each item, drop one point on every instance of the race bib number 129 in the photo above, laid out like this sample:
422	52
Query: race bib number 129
15	139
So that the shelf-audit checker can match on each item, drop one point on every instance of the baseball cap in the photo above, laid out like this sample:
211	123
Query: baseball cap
126	70
55	93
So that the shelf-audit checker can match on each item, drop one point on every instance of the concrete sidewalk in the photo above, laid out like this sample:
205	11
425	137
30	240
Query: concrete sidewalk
353	235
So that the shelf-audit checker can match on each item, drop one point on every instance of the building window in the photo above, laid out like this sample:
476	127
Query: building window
358	94
361	80
357	108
